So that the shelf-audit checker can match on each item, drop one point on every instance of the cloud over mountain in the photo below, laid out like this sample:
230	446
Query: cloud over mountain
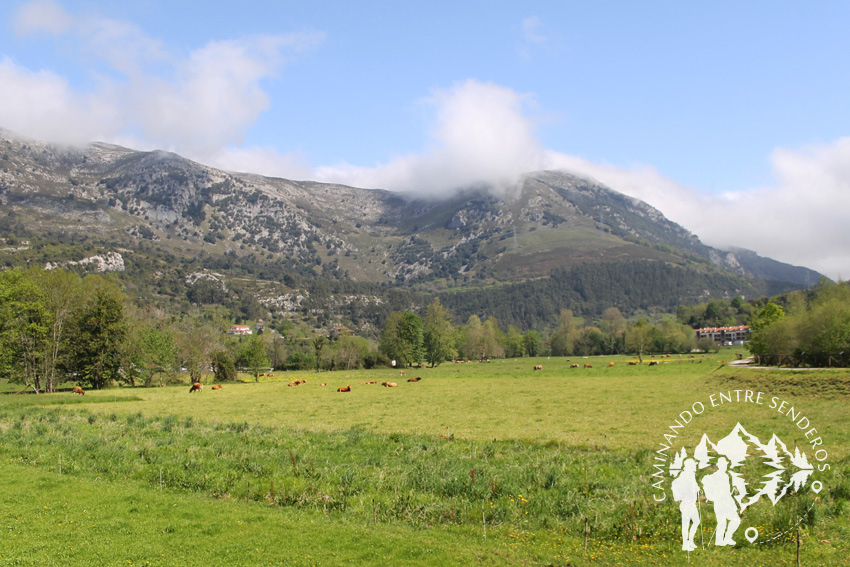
485	134
481	134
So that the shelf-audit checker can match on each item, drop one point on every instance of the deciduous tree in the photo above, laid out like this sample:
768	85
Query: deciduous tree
401	339
252	355
99	333
532	343
637	337
760	343
223	365
562	339
438	334
24	328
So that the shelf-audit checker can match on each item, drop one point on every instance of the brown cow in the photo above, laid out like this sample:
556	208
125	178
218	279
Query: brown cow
610	364
216	387
588	366
573	365
653	363
538	367
633	363
416	379
344	389
196	386
402	373
78	390
323	384
297	383
389	384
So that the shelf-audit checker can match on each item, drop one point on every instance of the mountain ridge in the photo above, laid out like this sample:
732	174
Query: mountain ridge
106	197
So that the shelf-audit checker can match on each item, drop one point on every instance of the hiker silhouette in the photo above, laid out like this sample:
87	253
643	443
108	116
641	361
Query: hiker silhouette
718	489
686	491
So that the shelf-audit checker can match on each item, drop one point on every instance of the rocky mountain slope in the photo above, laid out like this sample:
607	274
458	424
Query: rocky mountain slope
158	210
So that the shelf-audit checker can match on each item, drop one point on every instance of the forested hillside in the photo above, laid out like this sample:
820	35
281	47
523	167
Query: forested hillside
588	289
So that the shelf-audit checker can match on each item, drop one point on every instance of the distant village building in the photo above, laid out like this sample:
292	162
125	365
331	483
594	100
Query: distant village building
725	334
240	330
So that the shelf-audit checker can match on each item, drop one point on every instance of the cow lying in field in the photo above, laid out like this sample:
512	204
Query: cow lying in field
217	387
389	384
196	386
78	390
588	366
416	379
573	365
538	367
297	383
344	389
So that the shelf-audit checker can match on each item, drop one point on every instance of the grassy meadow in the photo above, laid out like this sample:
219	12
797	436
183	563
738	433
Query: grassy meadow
476	464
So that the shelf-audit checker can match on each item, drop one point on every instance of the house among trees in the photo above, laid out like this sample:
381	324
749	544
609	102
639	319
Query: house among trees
725	335
240	330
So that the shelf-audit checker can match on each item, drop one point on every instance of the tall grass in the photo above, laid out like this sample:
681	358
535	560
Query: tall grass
414	479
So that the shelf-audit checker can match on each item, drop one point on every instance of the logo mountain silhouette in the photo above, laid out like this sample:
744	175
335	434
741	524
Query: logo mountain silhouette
786	470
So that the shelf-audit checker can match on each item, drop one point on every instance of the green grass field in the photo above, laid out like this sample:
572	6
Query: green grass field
476	464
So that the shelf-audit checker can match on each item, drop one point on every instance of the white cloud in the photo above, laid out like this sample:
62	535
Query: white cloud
481	135
42	104
532	38
532	30
198	105
800	219
215	98
262	160
122	45
41	16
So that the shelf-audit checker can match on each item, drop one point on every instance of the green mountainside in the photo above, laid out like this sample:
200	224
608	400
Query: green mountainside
180	233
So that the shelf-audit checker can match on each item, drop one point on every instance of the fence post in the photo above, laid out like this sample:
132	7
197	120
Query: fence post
586	530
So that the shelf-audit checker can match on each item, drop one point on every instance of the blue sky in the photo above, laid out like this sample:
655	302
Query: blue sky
730	117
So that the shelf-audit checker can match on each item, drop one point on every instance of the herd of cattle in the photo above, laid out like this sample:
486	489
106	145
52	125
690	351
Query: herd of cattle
198	386
384	384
